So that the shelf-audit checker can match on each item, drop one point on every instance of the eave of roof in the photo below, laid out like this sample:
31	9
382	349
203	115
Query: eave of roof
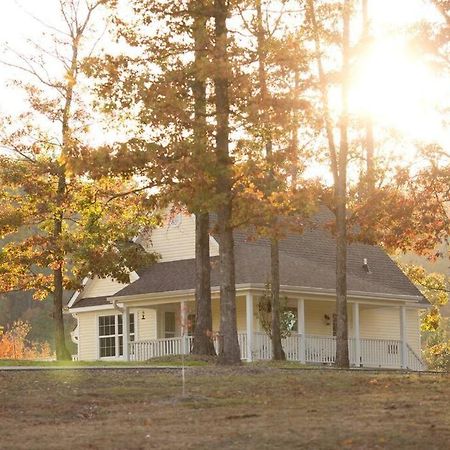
307	266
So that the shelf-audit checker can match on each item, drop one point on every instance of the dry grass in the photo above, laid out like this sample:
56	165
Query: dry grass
239	408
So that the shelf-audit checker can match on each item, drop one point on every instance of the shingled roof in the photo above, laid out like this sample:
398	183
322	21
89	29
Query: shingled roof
307	261
90	301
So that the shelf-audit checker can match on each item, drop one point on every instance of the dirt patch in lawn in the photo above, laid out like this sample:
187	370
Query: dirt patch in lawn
237	408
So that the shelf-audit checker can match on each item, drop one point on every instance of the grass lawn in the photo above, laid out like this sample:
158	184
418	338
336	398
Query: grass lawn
166	361
237	408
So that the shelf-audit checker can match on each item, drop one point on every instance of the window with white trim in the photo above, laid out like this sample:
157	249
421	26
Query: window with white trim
110	333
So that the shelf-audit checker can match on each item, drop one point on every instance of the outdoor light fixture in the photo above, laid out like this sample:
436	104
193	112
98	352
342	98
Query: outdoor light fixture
143	315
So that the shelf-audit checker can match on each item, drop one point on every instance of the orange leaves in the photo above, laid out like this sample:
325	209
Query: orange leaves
96	220
14	345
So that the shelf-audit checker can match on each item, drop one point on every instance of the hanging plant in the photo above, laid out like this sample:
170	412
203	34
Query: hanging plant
287	317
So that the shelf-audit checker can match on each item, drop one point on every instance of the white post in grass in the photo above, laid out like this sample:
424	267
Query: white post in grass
357	334
403	350
183	326
184	346
126	333
249	323
301	329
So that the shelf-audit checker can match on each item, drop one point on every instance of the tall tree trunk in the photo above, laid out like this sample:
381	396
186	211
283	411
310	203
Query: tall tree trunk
229	347
342	358
339	170
58	288
58	320
368	123
203	343
277	349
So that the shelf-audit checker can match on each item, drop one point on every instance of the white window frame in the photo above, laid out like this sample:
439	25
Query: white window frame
116	334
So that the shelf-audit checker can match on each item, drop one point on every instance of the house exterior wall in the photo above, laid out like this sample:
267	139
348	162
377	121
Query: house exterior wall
172	242
146	328
146	324
88	335
384	323
375	322
176	240
241	315
99	287
315	322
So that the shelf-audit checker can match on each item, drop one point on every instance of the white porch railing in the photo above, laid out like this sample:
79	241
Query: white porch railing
414	361
242	339
382	353
155	348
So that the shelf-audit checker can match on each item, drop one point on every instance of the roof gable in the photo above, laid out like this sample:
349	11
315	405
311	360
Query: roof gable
175	240
307	260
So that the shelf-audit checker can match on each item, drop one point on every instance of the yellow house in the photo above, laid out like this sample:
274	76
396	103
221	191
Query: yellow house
383	304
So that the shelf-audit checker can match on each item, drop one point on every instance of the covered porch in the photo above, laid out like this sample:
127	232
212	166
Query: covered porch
378	331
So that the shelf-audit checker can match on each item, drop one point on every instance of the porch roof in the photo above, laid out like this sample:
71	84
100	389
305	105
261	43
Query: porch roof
306	261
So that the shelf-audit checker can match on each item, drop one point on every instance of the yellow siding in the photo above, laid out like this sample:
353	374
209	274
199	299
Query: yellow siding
146	328
215	310
241	315
98	287
171	242
375	322
87	343
176	242
315	322
413	329
380	323
384	323
88	330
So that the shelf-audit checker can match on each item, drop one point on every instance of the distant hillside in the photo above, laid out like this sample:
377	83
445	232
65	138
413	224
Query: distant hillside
21	306
441	265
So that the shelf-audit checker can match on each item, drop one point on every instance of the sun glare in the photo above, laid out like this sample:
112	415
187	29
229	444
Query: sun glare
394	85
398	91
398	13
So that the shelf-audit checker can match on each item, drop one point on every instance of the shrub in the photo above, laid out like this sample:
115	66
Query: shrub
14	345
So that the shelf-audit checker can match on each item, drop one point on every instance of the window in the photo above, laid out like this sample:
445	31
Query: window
107	334
169	324
110	332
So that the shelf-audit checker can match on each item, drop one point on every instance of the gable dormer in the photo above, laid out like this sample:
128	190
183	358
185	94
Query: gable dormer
175	240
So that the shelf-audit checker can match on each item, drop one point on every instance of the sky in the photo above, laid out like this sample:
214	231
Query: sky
16	26
398	90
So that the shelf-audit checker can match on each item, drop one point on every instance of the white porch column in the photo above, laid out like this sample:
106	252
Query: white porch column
403	350
249	325
357	334
183	327
126	333
301	329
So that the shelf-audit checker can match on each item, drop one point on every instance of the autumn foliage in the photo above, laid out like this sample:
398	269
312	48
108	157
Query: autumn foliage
14	343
